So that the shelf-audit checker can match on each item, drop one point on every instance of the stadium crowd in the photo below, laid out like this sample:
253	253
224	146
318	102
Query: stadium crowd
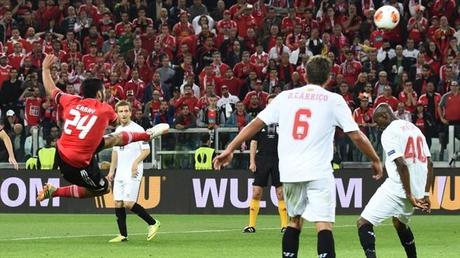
213	64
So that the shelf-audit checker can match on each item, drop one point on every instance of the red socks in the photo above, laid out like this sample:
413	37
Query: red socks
129	137
71	191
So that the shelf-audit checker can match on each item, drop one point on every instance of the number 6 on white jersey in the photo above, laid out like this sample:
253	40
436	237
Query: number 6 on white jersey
79	122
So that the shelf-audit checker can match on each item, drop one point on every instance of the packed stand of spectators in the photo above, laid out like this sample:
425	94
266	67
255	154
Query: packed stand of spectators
211	64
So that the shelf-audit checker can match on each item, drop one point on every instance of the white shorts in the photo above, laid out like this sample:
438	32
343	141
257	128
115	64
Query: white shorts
313	200
126	190
384	205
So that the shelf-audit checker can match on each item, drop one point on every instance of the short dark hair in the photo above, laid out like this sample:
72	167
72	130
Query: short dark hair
90	87
318	69
205	138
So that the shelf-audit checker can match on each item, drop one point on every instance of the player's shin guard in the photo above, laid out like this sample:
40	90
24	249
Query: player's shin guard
290	242
254	207
128	137
326	246
407	241
367	239
141	212
283	213
121	221
72	191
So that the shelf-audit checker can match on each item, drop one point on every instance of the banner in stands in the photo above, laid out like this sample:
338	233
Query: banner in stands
212	192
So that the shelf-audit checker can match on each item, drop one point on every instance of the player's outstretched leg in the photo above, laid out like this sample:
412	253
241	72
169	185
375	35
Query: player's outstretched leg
125	138
153	225
282	208
325	245
254	207
70	191
406	237
291	235
366	237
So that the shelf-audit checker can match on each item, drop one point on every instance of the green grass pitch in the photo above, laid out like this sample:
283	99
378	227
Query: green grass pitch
32	235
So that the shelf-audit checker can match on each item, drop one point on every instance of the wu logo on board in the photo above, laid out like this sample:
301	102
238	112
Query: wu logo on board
149	194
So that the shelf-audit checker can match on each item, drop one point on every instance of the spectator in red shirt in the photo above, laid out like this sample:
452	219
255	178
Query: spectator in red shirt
136	85
351	22
344	91
210	116
288	23
261	95
90	58
32	110
115	87
409	97
185	118
443	35
142	22
120	27
350	68
449	105
449	113
187	99
417	25
245	21
388	98
132	54
183	28
152	108
242	69
363	116
16	57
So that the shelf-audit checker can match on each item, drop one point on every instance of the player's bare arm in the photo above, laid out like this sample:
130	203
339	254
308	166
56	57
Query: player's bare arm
364	145
113	166
252	156
9	148
248	131
144	154
403	171
46	74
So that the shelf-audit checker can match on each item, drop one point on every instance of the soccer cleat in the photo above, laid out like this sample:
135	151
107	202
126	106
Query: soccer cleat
153	230
46	192
283	229
118	239
158	130
249	229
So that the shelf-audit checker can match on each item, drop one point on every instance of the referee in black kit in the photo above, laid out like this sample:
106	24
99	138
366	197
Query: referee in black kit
264	164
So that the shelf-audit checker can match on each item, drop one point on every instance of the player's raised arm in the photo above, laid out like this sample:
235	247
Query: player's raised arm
46	74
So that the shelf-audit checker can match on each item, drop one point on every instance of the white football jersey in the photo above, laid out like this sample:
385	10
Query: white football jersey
128	153
307	118
404	139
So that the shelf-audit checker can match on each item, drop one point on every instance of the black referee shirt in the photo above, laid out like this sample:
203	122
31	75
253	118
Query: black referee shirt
267	140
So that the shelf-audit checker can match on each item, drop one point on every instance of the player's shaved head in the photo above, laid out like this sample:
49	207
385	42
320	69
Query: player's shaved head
318	68
383	115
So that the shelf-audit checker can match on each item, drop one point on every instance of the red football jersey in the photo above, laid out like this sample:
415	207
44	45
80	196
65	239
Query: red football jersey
32	112
85	121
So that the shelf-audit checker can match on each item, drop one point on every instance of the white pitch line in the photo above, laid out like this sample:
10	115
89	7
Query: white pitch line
138	234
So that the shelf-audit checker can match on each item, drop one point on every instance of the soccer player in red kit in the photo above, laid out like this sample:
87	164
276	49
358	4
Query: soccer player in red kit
85	120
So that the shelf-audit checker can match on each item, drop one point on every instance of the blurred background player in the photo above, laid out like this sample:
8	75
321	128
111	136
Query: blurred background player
86	119
307	118
410	177
127	161
263	158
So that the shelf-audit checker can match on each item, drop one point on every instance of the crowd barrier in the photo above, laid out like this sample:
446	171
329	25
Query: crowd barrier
208	192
